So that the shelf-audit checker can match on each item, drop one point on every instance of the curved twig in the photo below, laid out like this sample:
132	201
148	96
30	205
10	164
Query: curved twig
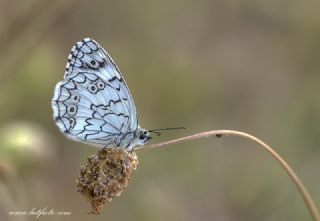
296	180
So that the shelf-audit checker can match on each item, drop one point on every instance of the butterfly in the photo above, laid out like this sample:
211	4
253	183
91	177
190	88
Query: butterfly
93	103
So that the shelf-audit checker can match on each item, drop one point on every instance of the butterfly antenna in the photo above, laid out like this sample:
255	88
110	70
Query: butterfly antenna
156	131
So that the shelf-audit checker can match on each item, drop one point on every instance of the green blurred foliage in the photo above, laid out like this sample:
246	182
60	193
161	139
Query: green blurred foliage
246	65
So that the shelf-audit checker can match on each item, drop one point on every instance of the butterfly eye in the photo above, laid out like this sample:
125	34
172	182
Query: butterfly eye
72	109
100	85
93	88
142	136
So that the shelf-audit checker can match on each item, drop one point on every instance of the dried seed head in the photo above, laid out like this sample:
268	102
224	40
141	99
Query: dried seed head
105	176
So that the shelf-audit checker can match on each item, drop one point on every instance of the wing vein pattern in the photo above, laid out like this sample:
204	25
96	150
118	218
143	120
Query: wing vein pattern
93	103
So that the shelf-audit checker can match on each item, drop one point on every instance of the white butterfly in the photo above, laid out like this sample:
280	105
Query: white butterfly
93	103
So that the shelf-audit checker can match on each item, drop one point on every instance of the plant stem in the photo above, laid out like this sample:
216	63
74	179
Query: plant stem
297	182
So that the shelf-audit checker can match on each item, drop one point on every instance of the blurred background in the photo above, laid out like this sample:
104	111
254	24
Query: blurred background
245	65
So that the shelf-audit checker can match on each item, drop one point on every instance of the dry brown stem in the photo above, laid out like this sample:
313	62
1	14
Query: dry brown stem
297	182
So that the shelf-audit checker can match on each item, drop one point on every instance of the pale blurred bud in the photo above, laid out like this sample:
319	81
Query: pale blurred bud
23	144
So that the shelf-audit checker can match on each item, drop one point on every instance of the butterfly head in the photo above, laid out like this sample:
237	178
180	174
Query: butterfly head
142	136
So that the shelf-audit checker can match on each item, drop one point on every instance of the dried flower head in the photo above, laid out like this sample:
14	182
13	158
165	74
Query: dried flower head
105	176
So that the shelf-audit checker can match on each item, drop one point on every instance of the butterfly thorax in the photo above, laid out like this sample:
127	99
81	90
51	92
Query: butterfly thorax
131	139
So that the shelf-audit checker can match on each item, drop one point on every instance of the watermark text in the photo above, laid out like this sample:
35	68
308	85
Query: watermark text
38	212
